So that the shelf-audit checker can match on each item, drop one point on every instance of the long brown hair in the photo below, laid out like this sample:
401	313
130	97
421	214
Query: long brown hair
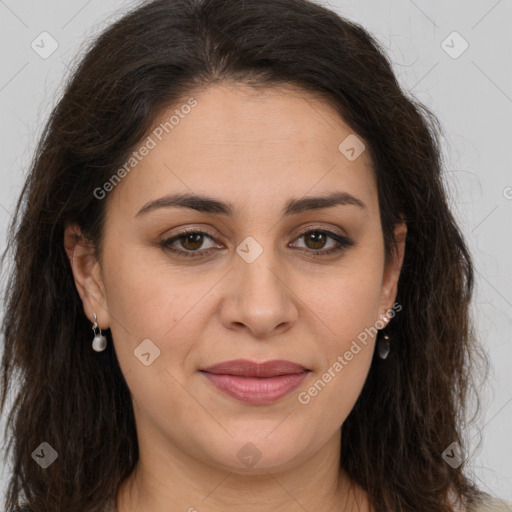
413	405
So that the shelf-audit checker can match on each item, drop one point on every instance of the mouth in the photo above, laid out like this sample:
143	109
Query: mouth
256	383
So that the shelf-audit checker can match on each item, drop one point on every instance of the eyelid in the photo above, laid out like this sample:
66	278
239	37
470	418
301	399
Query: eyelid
307	229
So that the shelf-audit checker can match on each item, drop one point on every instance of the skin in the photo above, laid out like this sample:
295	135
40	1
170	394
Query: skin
256	149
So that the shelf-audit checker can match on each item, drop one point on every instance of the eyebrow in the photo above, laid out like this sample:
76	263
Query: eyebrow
210	205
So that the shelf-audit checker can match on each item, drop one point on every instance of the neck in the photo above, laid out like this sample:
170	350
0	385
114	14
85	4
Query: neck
172	480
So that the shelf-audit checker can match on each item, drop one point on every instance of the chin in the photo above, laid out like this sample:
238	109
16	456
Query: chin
258	454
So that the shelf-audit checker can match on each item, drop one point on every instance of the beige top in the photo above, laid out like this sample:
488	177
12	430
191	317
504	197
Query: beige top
488	504
491	504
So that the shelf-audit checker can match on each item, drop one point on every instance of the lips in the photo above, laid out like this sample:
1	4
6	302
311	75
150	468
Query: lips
256	383
246	368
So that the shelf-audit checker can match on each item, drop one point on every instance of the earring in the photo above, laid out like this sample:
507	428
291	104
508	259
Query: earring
99	343
384	346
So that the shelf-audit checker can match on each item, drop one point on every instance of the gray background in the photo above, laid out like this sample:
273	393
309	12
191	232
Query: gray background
471	94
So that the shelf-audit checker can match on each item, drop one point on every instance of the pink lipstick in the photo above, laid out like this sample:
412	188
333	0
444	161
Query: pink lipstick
256	383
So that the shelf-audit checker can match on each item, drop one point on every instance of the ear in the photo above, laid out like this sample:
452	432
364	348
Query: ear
393	268
87	275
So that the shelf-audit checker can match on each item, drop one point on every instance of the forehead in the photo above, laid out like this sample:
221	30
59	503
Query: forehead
231	140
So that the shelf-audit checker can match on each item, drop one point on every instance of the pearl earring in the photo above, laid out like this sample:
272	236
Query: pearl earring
99	343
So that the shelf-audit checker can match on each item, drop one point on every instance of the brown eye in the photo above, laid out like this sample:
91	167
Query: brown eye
315	240
189	241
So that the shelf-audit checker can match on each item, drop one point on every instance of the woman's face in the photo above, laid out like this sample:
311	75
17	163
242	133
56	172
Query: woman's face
250	285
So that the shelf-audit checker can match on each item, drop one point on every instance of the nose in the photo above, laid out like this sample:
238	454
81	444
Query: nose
258	297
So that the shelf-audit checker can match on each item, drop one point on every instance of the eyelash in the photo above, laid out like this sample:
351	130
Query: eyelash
342	240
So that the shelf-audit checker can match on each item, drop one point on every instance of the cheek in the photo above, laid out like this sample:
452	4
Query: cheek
348	301
344	358
347	310
332	394
148	302
147	299
151	300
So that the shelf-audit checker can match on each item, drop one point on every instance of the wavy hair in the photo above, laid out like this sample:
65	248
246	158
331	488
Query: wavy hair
413	405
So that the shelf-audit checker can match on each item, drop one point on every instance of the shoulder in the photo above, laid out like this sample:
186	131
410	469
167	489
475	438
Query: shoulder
488	503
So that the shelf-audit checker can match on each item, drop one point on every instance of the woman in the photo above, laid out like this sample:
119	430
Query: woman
249	212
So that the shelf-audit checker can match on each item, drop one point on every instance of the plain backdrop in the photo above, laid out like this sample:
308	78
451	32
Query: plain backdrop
455	57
